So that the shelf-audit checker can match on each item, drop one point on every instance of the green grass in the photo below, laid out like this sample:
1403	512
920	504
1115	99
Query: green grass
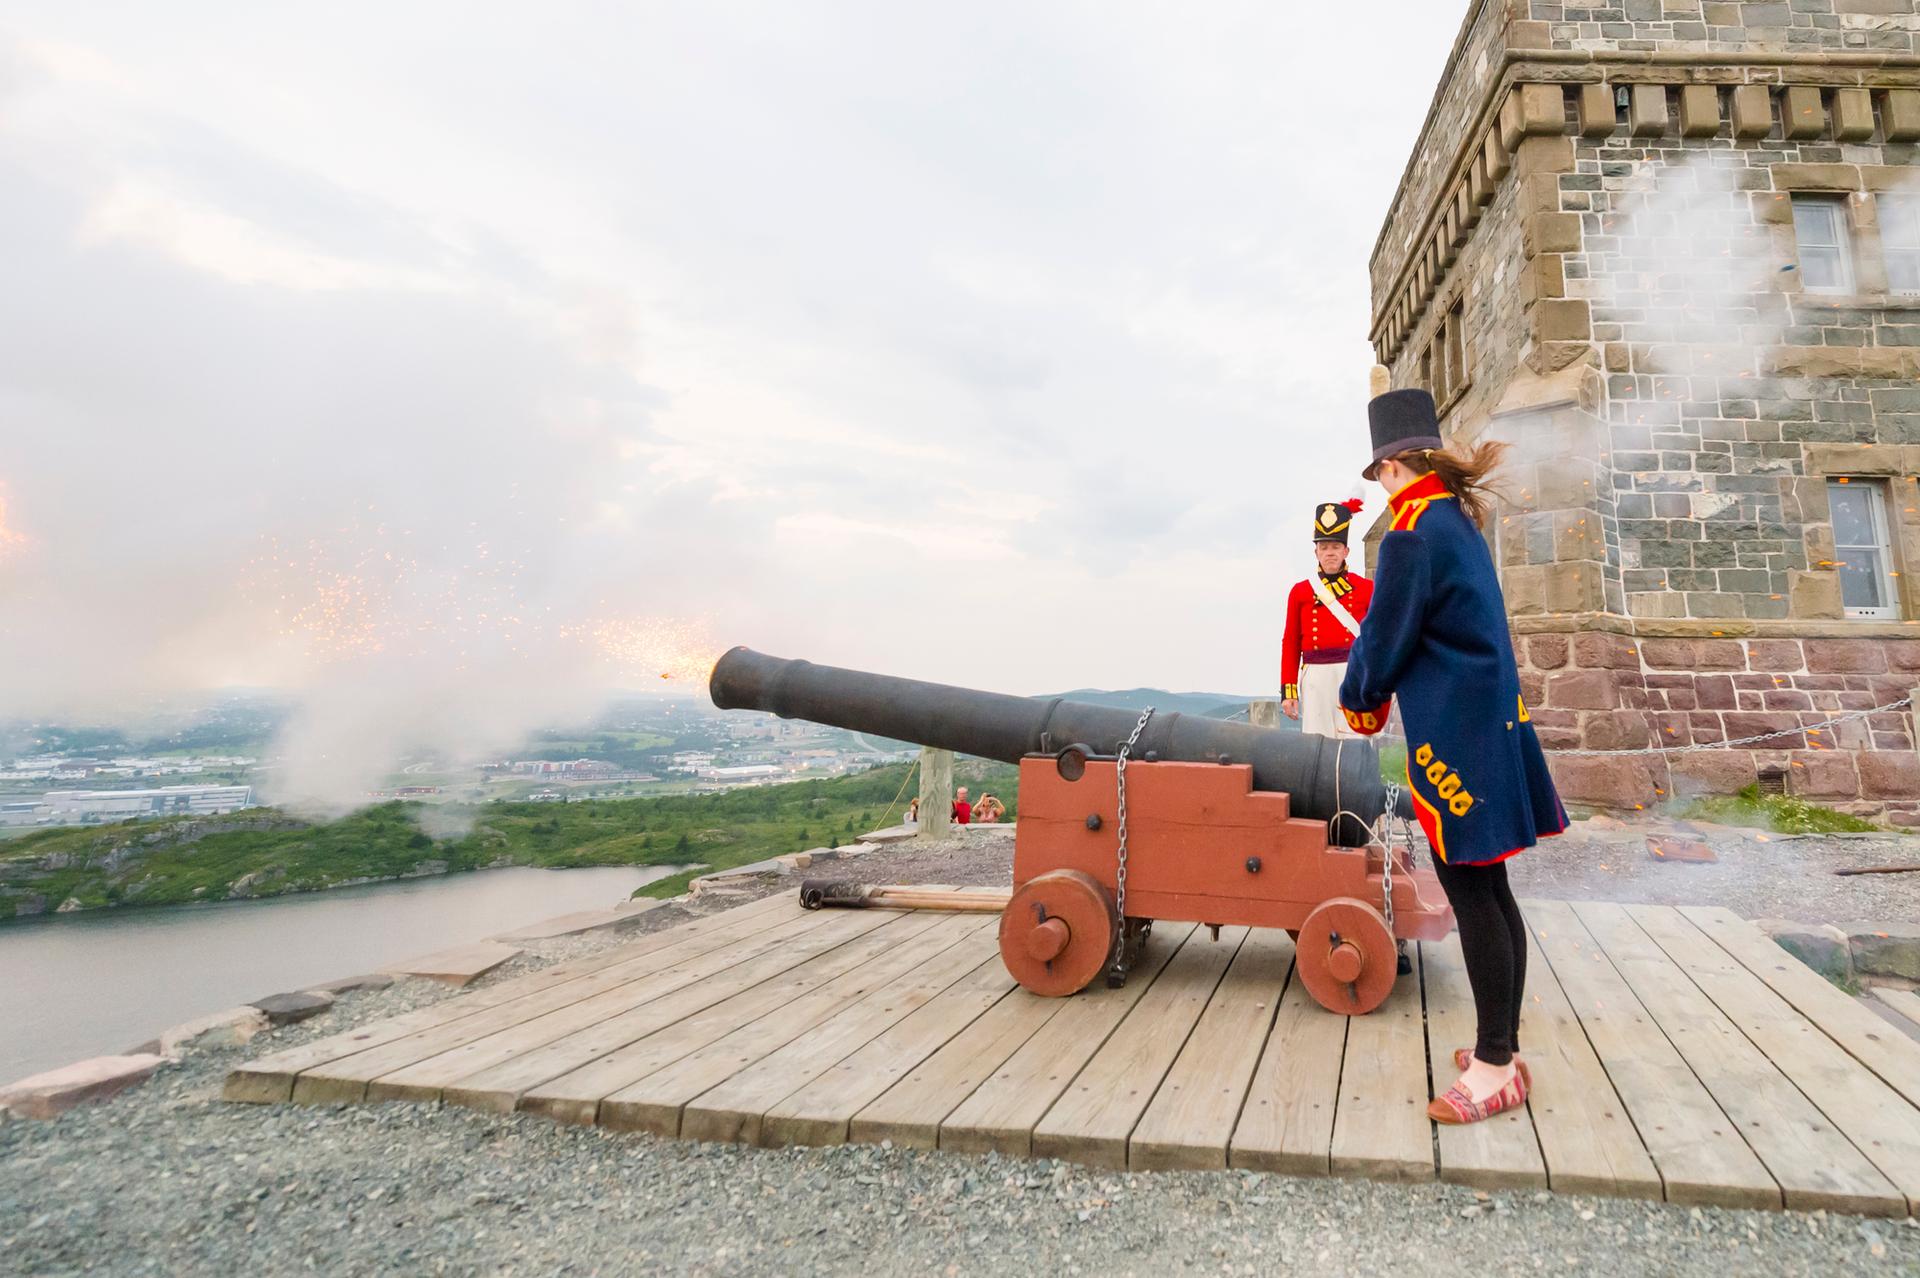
1782	814
181	859
1393	762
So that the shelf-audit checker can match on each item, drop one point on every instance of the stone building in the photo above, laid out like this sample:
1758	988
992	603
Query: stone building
1670	250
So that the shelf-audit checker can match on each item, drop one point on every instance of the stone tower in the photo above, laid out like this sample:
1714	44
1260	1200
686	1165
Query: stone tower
1670	251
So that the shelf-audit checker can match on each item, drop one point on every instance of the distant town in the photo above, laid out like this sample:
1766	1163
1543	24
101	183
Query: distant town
65	777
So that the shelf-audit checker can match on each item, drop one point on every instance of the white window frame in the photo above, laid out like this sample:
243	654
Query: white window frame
1895	210
1842	245
1883	535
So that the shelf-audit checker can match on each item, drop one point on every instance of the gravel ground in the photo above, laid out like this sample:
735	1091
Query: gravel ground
169	1179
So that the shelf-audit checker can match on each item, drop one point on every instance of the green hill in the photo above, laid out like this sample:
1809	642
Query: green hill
264	852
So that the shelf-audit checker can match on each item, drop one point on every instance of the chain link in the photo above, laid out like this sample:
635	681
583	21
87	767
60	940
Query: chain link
1120	874
1902	703
1386	846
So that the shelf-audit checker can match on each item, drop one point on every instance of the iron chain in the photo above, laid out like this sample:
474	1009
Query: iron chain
1386	846
1120	874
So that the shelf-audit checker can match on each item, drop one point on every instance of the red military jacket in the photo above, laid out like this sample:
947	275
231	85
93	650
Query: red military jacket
1313	635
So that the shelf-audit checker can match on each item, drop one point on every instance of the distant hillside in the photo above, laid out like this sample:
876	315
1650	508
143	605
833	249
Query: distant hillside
1210	705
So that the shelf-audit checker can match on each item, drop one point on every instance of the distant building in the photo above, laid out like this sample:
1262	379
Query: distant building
79	807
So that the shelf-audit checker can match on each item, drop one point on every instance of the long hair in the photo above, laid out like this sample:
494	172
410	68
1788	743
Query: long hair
1466	477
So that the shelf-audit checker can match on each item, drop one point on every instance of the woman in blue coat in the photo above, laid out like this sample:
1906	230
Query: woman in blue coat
1436	638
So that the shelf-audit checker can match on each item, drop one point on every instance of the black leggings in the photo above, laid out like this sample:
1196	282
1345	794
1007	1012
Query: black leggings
1493	940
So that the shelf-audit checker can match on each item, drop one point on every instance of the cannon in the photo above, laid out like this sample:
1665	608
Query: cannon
1126	818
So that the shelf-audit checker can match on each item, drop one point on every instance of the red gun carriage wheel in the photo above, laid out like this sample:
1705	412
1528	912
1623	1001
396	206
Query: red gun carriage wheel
1346	955
1057	932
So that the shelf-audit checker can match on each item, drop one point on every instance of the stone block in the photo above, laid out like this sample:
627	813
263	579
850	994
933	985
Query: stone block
1775	656
1889	774
1597	650
1802	113
1782	728
1647	111
1887	950
1537	156
1575	587
1846	656
1603	780
1543	277
1669	654
1564	320
1823	774
1712	772
231	1028
1508	126
1901	115
1615	729
1752	111
56	1091
458	966
1597	114
348	984
286	1009
1679	847
1699	110
1543	110
1582	690
1852	115
1816	177
1821	946
1813	594
1495	156
1548	652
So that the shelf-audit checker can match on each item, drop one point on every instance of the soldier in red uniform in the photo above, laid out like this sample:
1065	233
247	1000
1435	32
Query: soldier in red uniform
1323	616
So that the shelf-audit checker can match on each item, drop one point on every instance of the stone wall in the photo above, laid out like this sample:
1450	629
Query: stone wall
1603	202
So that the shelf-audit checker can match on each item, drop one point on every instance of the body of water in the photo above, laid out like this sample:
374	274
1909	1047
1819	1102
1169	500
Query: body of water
90	984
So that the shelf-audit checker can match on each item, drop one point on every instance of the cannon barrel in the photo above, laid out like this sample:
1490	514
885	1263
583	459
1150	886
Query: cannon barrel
1321	775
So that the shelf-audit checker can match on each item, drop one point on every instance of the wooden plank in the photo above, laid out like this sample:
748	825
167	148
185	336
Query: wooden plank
654	1103
574	1097
660	999
1380	1127
1191	1118
1815	1165
1094	1118
735	1109
1585	1136
1697	1151
346	1079
911	1111
457	966
1001	1113
1882	1126
1502	1152
821	1112
1287	1122
1880	1047
1905	1002
499	1086
270	1078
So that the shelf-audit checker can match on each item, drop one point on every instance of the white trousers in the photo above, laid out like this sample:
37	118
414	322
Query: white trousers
1320	701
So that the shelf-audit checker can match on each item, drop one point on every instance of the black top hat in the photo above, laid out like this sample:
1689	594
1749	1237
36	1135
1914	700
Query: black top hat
1331	519
1402	421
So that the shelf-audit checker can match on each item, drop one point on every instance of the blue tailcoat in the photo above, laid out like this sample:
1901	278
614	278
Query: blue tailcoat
1436	637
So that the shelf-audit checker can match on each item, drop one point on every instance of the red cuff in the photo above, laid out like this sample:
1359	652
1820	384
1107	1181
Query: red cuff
1367	722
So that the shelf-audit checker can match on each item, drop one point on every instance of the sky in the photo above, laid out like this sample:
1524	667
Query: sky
462	352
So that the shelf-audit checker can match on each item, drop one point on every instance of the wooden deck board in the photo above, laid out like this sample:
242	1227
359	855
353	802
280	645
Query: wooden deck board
1868	1039
1881	1125
1380	1129
1001	1113
1191	1118
1094	1117
1502	1152
1587	1141
1696	1149
1674	1053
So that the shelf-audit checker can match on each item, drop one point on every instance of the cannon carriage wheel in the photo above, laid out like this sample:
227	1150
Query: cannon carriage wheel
1057	932
1346	955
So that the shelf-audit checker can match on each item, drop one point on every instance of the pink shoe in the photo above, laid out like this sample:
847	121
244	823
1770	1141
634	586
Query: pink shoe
1456	1107
1463	1057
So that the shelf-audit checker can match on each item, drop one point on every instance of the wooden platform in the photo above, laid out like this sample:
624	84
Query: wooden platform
1676	1054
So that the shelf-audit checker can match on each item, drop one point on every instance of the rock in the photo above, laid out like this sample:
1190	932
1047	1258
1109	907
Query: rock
1675	847
70	906
285	1009
1890	950
892	834
83	1082
231	1028
347	984
456	966
1822	947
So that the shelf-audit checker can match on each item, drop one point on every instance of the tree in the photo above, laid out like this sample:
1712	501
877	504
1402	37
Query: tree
684	845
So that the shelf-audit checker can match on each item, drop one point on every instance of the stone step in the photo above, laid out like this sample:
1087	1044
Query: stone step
83	1082
456	966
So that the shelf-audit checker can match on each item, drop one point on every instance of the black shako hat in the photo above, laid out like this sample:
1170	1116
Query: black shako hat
1331	519
1402	421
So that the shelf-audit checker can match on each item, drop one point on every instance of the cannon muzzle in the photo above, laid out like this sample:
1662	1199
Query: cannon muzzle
1322	776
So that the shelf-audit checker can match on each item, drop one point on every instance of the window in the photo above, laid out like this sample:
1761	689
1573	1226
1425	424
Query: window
1862	549
1820	230
1900	238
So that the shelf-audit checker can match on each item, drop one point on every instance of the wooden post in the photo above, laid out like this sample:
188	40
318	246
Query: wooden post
936	790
